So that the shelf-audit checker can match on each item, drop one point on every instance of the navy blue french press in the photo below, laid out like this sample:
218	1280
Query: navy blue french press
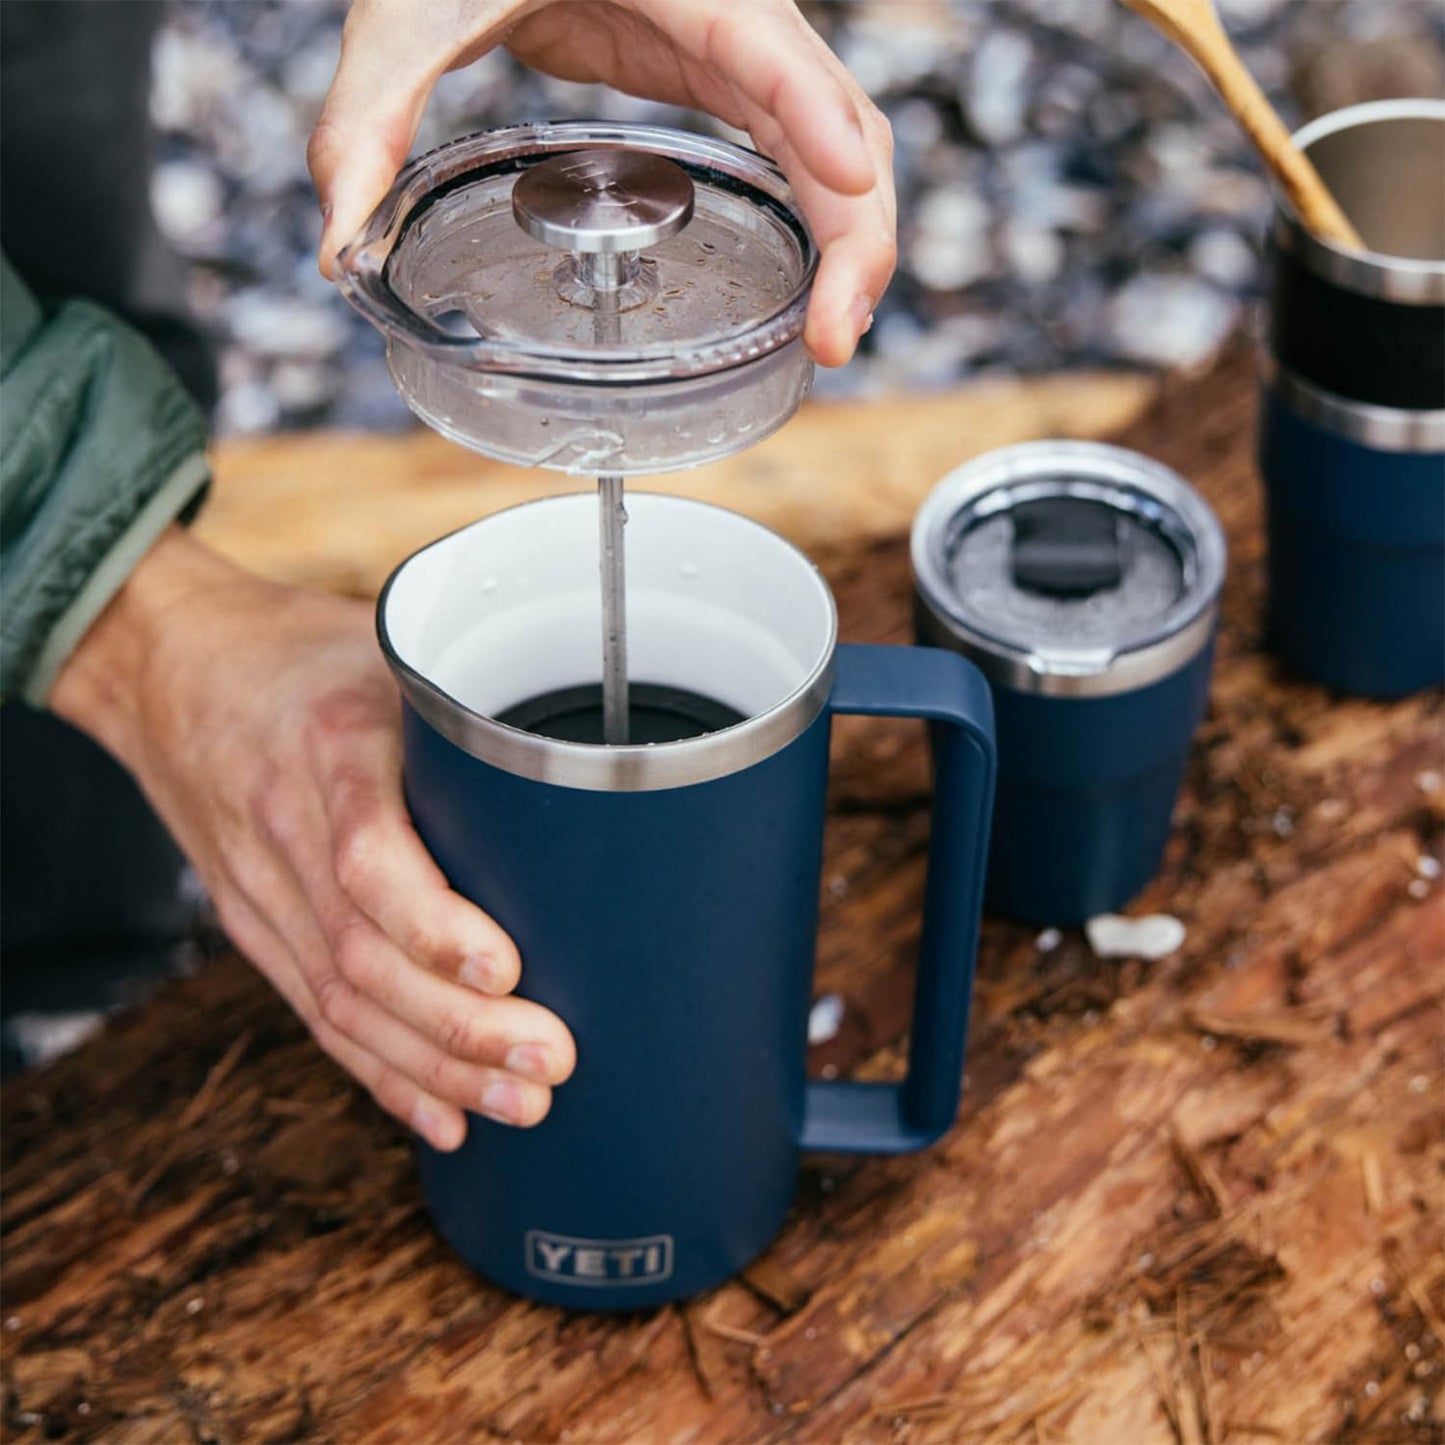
665	896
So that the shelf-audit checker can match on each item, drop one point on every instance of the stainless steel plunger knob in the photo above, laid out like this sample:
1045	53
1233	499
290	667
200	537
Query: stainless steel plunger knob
603	202
604	207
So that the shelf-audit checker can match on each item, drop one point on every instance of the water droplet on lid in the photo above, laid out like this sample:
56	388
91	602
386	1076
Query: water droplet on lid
490	585
688	569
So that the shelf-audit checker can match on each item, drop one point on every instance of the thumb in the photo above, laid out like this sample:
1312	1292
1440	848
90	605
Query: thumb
368	122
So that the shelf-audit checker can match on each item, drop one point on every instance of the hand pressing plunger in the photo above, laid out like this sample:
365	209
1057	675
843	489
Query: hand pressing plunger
604	207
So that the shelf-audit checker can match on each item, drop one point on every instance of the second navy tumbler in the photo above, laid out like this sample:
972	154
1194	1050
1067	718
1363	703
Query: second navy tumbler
1084	581
1352	427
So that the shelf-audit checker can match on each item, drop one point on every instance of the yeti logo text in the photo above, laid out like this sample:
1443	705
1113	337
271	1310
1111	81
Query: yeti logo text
599	1261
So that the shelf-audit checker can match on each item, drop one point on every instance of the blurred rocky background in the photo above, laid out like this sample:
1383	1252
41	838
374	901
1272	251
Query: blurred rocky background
1071	193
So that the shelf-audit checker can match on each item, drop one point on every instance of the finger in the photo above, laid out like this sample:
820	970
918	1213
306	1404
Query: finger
770	55
510	1033
851	276
330	935
857	237
383	866
386	871
411	1076
391	57
420	1067
442	1124
360	142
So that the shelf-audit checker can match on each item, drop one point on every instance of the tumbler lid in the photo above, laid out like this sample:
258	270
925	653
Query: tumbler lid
1068	567
610	261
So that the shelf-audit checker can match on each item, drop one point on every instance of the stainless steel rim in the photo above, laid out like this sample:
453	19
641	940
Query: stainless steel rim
1183	631
1370	273
597	768
1382	428
1129	671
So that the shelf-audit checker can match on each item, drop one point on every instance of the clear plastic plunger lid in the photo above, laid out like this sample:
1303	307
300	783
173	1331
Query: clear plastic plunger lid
635	296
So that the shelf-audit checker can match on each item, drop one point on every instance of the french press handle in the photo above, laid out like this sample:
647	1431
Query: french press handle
950	692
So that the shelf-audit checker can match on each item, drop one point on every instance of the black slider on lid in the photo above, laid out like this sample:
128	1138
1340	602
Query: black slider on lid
1066	547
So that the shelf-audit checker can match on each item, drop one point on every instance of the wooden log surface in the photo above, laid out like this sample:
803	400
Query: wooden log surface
1198	1200
340	510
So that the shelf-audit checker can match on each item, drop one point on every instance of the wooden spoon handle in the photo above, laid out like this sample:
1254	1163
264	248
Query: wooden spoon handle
1309	195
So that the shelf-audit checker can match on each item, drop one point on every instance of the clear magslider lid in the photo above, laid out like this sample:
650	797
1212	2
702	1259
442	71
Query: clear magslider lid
1068	568
592	298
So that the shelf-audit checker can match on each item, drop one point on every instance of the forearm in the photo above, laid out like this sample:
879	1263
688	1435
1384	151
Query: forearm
101	685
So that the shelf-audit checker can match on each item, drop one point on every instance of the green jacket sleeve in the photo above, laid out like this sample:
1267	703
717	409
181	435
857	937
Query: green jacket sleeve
100	449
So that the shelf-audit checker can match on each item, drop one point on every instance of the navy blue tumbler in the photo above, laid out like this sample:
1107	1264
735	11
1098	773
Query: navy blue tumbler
1084	580
665	896
1352	428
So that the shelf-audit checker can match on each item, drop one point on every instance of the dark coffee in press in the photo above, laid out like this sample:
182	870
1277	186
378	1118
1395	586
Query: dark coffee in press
656	713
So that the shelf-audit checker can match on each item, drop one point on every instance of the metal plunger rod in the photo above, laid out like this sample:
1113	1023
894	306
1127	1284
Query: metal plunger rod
612	518
604	206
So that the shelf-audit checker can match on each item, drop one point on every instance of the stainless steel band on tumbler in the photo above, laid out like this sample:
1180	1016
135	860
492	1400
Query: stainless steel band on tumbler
1088	471
1366	328
1355	341
1382	428
1399	279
